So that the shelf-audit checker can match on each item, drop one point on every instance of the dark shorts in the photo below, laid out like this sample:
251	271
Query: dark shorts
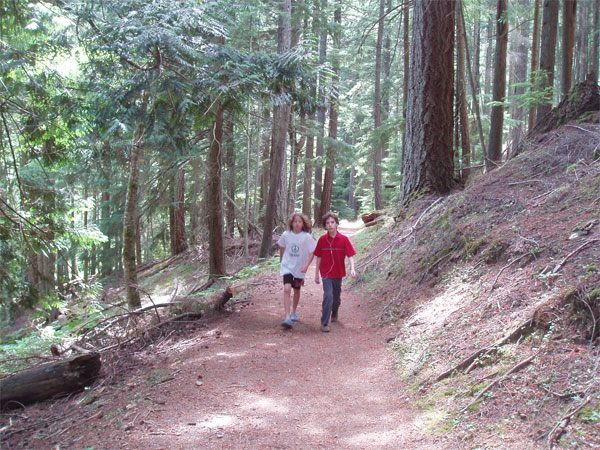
296	283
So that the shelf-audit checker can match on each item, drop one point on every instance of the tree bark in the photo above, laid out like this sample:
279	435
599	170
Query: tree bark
465	138
568	44
105	255
214	198
547	53
265	173
333	116
519	71
179	238
406	39
535	58
595	46
129	264
497	119
322	109
308	171
487	86
378	143
195	200
281	115
386	83
230	167
428	161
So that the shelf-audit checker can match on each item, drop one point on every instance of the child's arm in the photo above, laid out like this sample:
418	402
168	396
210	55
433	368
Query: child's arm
281	252
352	272
305	266
318	263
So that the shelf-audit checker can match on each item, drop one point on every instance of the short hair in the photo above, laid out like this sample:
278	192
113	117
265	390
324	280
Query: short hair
327	216
306	227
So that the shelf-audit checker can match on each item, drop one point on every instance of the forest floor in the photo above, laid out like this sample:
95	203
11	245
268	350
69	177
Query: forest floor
474	324
239	380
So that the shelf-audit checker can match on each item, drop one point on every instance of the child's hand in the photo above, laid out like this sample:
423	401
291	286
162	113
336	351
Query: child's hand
353	274
304	269
317	280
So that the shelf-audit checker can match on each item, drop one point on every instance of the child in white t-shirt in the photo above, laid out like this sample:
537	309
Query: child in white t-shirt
295	246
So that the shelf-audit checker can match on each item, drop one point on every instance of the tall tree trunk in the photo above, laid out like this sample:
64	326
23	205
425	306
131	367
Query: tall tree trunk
265	173
477	53
497	120
535	58
296	149
386	83
378	144
281	115
547	53
129	265
322	14
228	143
94	255
488	66
596	32
465	138
214	198
106	255
138	239
195	200
474	86
351	188
308	172
429	161
520	75
406	72
86	254
179	238
568	44
333	115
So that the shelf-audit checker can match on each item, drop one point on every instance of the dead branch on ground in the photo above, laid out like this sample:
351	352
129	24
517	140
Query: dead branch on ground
514	369
518	332
573	253
506	267
560	426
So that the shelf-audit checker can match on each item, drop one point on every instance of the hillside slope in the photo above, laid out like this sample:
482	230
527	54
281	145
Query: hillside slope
495	293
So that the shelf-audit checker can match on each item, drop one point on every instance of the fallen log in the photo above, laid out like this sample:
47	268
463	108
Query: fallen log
49	380
377	221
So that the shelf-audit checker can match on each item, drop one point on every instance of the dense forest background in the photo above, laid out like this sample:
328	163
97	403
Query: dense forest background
134	130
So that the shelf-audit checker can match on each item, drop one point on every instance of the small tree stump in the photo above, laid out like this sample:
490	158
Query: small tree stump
49	380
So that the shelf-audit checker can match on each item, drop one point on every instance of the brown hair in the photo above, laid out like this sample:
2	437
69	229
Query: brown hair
327	216
306	227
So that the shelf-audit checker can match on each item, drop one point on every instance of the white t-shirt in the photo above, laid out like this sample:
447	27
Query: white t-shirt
297	248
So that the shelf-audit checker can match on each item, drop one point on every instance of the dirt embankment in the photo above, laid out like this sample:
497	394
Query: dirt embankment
495	295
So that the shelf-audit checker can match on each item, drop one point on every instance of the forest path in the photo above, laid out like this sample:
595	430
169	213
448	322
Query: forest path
265	387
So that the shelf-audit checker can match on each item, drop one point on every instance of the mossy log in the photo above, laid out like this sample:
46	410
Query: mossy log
49	380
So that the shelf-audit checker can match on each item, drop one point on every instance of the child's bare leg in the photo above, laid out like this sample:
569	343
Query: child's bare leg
296	300
286	299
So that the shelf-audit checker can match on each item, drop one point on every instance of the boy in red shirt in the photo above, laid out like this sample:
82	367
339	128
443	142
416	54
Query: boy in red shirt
331	251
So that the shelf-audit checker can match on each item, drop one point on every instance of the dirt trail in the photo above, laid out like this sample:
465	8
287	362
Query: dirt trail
264	387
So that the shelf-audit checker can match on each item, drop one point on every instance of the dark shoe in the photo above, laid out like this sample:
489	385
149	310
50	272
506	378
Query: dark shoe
334	318
325	328
287	324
